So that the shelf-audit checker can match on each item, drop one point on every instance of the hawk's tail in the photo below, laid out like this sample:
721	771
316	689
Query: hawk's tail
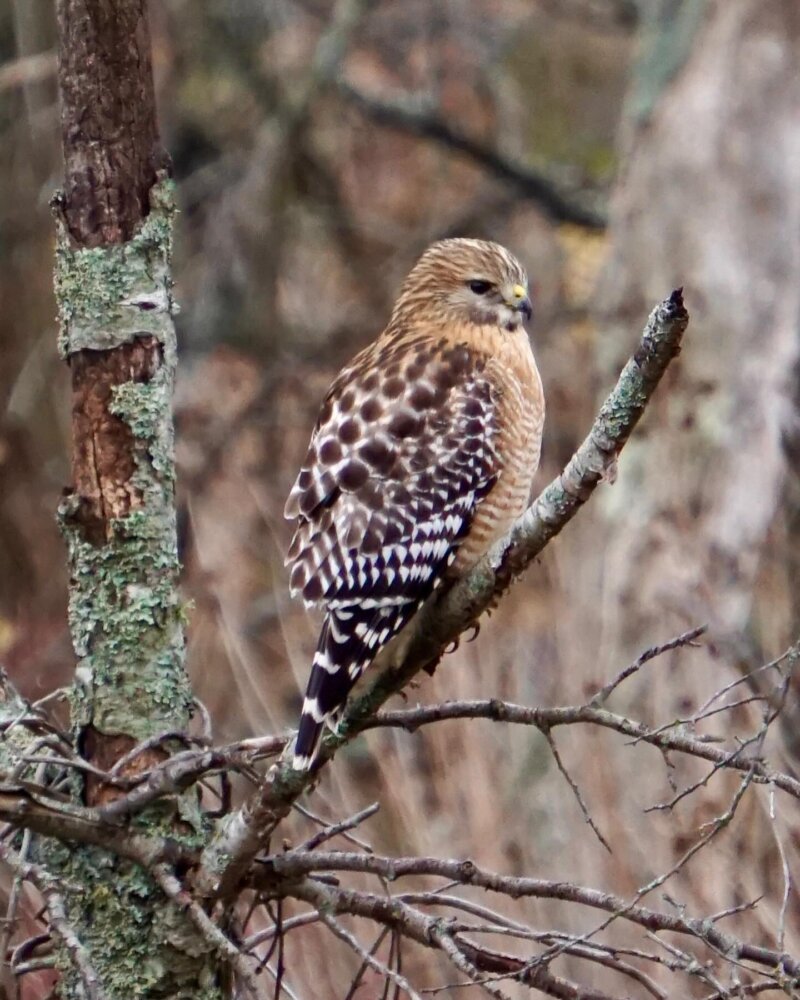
350	639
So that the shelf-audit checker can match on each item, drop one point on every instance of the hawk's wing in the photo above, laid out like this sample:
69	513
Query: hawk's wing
402	454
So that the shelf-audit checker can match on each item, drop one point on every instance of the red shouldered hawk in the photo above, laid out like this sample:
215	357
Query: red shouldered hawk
423	455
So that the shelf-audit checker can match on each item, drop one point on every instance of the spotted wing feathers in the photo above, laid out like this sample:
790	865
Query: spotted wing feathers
403	452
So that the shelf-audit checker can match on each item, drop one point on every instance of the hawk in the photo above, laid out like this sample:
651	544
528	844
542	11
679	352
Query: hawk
422	456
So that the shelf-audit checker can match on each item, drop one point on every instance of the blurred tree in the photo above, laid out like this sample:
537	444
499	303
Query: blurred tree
708	543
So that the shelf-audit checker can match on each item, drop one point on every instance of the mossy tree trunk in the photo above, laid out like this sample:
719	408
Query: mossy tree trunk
113	287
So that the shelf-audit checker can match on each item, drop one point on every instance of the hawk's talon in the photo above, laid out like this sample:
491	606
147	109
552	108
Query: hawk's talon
476	631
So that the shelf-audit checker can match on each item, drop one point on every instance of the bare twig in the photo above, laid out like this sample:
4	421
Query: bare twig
281	986
46	962
575	790
753	990
29	808
462	963
787	878
789	656
60	926
713	828
344	935
356	983
155	742
686	639
550	718
726	763
291	865
268	933
239	962
10	922
64	931
181	770
328	832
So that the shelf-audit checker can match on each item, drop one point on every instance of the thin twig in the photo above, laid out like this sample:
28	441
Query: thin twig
685	639
10	923
336	928
64	931
356	983
502	711
280	983
753	990
790	654
268	933
59	924
787	878
291	865
326	824
241	964
721	765
462	963
575	790
342	827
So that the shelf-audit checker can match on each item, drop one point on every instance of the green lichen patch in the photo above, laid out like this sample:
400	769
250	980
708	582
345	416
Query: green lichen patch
140	944
126	623
145	408
108	295
124	610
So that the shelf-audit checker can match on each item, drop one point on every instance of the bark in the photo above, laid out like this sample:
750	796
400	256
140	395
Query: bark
113	289
108	118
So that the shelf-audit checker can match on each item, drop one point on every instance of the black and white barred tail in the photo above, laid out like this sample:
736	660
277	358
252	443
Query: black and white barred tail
350	639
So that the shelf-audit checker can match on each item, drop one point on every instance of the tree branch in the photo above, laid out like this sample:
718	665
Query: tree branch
26	809
546	719
284	870
447	935
416	117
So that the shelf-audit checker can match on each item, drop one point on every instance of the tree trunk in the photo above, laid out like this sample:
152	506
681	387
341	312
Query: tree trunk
113	287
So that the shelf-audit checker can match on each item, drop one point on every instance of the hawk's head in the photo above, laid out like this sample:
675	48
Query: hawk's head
468	281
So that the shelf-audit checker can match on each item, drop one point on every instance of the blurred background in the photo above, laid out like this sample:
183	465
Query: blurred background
620	148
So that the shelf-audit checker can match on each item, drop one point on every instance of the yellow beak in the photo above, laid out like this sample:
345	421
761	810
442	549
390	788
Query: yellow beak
519	300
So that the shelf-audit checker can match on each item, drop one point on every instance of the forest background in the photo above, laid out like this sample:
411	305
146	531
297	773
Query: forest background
620	149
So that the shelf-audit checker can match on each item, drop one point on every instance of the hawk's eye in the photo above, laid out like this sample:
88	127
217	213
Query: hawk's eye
479	287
